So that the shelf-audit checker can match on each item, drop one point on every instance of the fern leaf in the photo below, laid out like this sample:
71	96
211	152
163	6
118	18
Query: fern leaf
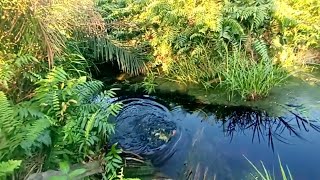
88	89
24	60
34	131
57	75
259	17
90	124
262	49
235	26
28	109
7	122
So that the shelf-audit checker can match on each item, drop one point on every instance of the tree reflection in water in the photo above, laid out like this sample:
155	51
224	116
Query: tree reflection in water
262	125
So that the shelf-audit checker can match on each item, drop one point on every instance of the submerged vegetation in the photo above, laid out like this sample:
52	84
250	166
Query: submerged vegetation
52	111
264	174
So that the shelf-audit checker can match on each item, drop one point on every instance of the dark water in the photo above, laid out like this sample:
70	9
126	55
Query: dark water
208	137
221	143
211	141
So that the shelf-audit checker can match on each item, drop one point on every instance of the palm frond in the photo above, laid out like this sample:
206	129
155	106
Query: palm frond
109	50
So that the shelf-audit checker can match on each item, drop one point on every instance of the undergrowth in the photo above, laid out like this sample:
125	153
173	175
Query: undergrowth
189	41
47	112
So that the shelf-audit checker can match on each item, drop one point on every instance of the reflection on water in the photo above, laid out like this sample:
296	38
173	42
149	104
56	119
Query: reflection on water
211	145
264	127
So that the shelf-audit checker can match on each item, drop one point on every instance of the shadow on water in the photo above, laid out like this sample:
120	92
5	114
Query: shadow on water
186	139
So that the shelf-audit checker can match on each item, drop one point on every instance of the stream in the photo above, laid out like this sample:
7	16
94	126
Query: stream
186	138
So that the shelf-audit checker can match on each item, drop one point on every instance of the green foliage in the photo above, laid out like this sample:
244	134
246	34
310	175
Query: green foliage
36	36
262	50
296	31
49	107
62	117
252	14
128	60
8	167
113	162
9	128
148	83
42	29
189	41
15	68
67	174
248	78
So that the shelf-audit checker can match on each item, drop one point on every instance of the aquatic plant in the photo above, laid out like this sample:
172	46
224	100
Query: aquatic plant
149	84
266	175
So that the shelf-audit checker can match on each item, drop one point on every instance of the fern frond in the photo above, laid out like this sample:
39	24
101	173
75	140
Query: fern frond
55	102
34	131
36	128
260	16
219	25
88	89
23	60
90	124
7	122
262	49
245	12
28	109
110	93
57	75
235	26
114	108
180	41
11	127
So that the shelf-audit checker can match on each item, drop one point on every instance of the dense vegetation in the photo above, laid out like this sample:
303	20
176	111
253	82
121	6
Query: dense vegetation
49	48
220	42
46	91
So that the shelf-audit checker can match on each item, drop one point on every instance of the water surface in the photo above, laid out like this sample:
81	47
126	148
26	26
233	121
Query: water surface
214	136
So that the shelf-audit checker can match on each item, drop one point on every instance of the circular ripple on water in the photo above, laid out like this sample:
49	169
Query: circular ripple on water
145	127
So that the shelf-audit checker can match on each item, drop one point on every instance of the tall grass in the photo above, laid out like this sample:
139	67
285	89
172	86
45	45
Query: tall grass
264	174
249	78
188	70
